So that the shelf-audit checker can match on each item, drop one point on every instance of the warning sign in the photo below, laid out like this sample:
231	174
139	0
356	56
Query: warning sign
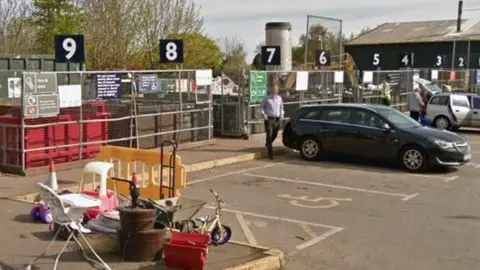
41	105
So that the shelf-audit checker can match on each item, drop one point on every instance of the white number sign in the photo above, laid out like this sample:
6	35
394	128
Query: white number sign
376	59
439	61
461	62
271	54
70	46
322	59
406	60
171	51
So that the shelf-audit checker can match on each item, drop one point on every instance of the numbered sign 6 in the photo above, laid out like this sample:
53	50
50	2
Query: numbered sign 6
323	58
405	60
271	55
376	60
171	51
70	48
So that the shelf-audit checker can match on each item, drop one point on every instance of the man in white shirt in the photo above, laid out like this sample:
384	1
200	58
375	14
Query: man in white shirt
415	104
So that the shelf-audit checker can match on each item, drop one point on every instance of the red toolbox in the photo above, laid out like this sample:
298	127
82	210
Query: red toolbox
186	251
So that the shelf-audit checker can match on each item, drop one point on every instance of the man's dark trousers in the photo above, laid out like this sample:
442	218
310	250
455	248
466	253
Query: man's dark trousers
272	125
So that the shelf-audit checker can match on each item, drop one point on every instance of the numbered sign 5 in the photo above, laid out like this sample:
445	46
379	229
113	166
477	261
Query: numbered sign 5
376	60
70	48
405	60
323	58
461	62
271	55
171	51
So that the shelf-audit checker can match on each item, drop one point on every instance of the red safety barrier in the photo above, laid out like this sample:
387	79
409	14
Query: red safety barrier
186	251
56	136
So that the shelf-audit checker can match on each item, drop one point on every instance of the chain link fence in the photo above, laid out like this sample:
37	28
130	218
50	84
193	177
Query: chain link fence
70	115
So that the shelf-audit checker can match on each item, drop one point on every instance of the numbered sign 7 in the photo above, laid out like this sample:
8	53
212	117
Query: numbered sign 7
70	48
271	55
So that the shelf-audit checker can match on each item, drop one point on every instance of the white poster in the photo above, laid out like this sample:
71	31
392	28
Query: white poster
434	75
70	95
368	77
203	77
301	83
14	87
338	76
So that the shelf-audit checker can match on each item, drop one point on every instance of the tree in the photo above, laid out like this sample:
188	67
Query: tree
15	29
55	17
200	52
234	53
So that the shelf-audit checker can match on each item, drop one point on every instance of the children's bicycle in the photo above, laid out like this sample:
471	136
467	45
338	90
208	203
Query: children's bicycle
219	233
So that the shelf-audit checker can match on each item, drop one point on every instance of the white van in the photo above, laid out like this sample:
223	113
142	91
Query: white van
452	111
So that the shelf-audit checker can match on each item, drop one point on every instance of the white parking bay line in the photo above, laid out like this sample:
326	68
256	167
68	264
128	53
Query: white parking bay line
405	197
230	173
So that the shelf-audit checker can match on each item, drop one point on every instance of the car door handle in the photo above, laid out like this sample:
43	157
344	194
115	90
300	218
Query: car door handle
475	112
456	110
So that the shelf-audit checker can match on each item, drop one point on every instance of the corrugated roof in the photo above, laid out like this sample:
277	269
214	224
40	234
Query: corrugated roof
416	32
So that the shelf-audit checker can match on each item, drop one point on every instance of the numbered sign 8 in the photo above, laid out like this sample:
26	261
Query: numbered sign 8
461	62
70	48
405	60
323	58
376	60
171	51
271	55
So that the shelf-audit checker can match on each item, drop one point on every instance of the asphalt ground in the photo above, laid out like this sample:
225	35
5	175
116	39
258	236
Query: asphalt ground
332	215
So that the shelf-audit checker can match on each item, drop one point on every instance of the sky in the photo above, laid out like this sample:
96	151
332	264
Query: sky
246	19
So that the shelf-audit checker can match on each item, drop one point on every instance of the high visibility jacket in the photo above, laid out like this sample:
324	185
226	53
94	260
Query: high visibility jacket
447	87
385	92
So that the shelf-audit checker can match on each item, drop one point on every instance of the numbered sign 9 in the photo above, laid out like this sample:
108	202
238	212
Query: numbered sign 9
376	60
171	51
70	48
271	55
322	58
405	60
461	62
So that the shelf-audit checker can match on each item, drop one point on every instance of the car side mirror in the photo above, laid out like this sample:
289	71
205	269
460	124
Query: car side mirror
386	127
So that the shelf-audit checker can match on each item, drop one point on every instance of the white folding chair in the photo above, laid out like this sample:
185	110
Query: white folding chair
67	211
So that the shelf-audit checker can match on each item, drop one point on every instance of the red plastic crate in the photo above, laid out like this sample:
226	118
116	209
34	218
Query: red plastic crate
184	257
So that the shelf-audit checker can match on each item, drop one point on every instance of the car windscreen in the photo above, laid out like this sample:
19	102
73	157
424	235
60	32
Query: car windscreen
398	119
433	87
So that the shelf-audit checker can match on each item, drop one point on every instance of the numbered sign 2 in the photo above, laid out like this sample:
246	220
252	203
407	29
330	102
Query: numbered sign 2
322	58
171	51
70	48
461	62
439	61
271	55
405	60
376	60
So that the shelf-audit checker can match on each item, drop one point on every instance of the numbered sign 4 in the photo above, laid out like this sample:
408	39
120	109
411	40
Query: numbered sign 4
322	58
405	60
70	48
171	51
376	60
271	55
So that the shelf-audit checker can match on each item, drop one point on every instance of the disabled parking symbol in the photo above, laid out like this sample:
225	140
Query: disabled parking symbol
316	203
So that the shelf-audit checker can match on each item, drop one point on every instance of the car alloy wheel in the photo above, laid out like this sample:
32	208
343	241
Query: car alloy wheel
413	159
442	122
310	149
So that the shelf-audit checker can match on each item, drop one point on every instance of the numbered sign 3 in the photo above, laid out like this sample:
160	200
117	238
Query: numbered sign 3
171	51
70	48
271	55
439	61
461	62
322	58
376	60
405	60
